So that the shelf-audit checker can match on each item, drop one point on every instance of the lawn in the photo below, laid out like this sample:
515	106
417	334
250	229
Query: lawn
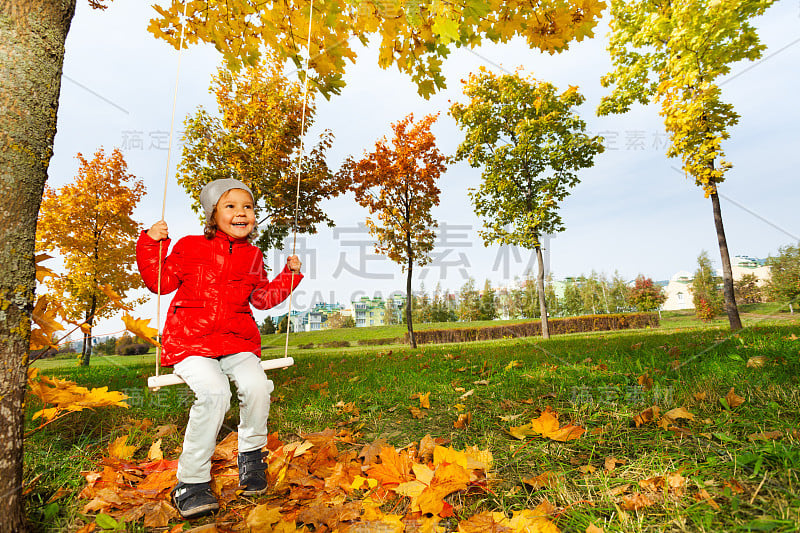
727	467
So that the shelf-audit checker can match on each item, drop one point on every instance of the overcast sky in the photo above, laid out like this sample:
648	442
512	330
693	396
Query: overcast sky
633	212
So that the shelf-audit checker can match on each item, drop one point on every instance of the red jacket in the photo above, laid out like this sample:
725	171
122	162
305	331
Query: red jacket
217	281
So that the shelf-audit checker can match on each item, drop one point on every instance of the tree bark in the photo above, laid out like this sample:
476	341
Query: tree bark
727	272
32	35
409	297
86	355
542	298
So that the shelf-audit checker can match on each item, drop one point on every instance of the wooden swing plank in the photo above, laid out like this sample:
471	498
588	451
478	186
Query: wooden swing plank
164	380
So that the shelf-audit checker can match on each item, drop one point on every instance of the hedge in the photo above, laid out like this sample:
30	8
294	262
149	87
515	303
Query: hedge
577	324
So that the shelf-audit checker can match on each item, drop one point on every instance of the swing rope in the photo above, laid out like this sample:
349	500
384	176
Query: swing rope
166	183
299	168
298	172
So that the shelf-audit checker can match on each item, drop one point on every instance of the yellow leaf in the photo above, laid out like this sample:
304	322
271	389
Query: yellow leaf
155	453
120	449
140	328
115	298
425	400
41	271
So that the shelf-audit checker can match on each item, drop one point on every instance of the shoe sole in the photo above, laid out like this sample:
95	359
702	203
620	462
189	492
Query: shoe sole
197	512
246	492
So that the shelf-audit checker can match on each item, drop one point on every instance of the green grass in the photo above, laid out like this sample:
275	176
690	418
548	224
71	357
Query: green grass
590	379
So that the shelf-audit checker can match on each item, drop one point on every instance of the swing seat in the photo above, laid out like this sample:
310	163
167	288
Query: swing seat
164	380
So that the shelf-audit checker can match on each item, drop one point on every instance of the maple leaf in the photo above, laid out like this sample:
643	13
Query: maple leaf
115	298
646	416
42	272
120	449
140	327
547	426
394	468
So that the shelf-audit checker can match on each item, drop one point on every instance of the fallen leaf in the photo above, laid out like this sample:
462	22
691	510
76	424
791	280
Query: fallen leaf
735	486
120	449
635	502
544	480
155	453
700	396
645	381
765	435
587	469
757	361
646	416
463	421
703	495
733	399
467	394
591	528
417	413
612	462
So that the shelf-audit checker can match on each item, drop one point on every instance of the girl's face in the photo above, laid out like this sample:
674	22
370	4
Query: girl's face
235	215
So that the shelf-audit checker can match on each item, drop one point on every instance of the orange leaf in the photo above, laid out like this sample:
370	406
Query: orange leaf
547	426
394	468
635	502
463	421
155	454
733	399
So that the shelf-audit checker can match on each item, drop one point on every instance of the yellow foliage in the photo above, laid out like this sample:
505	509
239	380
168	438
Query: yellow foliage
66	396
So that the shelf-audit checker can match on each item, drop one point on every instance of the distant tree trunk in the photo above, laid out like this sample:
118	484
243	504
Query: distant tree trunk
86	355
727	271
32	35
542	298
409	297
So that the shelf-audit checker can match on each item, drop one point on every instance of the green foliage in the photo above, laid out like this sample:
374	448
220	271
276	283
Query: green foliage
283	324
487	309
107	347
706	294
784	284
530	143
646	295
267	327
675	53
572	303
469	302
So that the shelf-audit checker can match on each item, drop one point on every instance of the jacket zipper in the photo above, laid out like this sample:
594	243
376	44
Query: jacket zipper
230	247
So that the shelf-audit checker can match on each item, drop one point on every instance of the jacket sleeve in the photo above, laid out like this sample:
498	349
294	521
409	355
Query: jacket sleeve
271	293
147	255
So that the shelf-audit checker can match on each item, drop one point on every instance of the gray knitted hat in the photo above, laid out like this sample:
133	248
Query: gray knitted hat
214	190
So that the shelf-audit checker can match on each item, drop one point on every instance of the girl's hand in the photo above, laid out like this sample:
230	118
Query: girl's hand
293	262
159	231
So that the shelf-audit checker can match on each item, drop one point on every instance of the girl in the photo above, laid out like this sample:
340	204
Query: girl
210	335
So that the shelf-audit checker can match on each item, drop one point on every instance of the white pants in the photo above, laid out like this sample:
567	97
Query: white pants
208	379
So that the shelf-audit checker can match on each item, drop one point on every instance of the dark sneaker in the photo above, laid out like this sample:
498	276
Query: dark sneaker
194	499
252	473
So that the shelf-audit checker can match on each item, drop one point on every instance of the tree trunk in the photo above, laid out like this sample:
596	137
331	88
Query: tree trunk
409	297
86	356
542	299
727	272
32	35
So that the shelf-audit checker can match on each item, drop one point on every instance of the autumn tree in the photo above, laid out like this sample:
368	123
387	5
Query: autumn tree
488	302
784	283
338	320
88	223
414	36
397	184
645	295
748	289
256	137
675	53
706	296
531	144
